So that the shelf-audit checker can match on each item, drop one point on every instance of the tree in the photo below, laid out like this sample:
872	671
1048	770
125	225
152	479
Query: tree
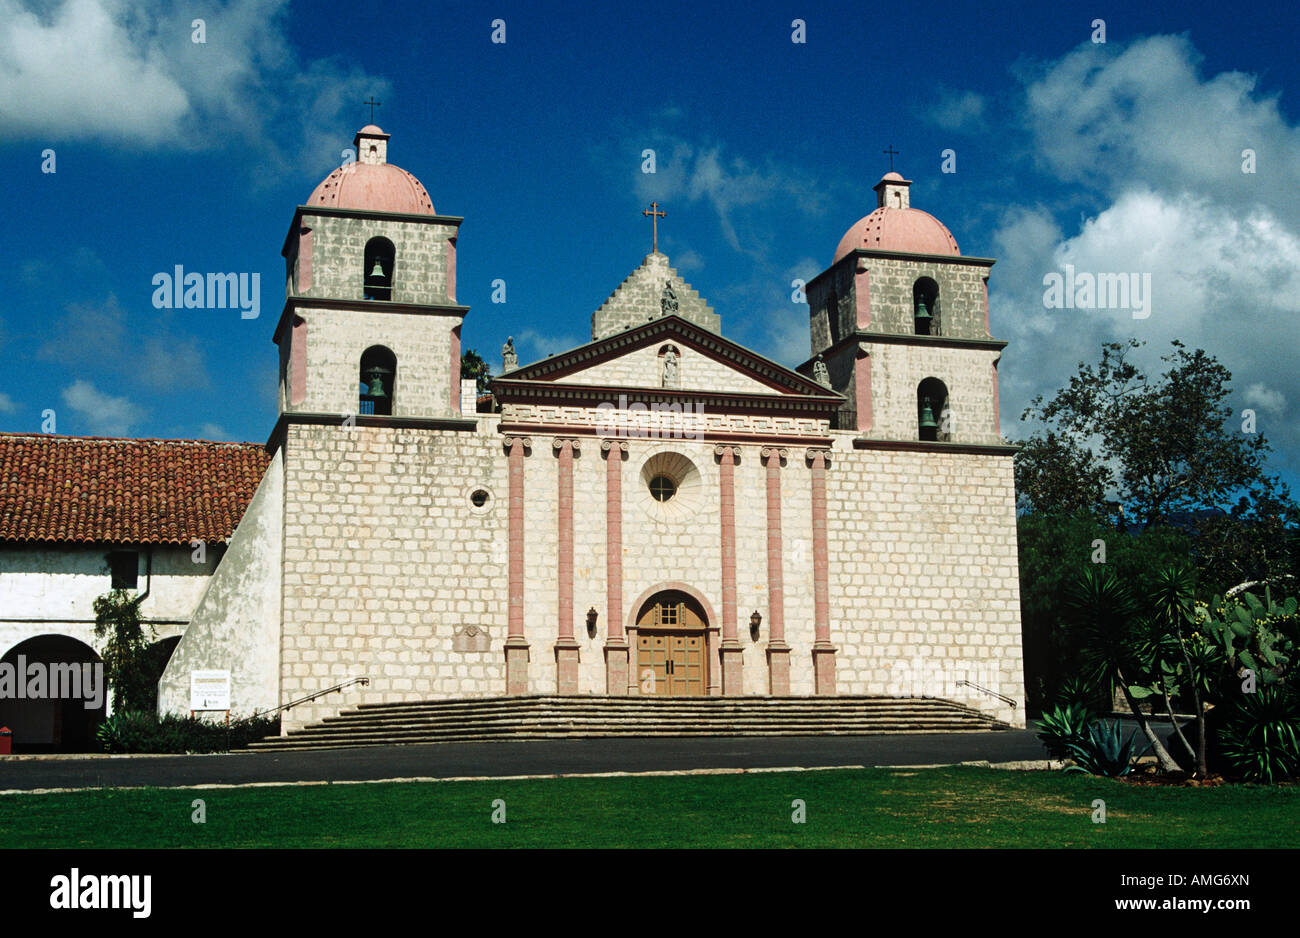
1118	445
117	619
473	366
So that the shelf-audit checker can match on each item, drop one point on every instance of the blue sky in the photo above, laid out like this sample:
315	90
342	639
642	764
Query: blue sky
1122	156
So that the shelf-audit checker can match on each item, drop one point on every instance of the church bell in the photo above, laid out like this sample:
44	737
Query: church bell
923	318
928	424
378	272
375	381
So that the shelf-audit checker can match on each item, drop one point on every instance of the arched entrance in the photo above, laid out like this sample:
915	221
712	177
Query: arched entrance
672	640
48	723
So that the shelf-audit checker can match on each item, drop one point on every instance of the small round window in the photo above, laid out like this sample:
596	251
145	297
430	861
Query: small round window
478	498
662	488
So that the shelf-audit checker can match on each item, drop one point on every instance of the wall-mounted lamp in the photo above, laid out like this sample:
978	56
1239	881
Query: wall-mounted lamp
754	622
591	622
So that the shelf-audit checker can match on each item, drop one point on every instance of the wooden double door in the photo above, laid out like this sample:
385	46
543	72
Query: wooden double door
672	659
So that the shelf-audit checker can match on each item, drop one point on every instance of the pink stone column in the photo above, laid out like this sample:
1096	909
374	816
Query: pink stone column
823	652
778	652
516	643
862	387
617	651
730	651
566	647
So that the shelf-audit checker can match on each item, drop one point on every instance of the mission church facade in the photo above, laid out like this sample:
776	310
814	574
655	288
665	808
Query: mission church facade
659	511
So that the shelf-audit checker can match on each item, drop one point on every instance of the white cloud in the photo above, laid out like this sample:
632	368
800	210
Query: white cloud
130	74
213	431
98	335
1265	398
7	405
104	414
1221	280
1110	115
1156	151
958	111
533	346
685	172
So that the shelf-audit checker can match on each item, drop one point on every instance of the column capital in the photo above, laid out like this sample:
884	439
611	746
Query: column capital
525	441
558	443
609	446
780	452
722	449
813	452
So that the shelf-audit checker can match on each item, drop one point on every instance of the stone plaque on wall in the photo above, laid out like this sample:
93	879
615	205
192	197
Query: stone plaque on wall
470	638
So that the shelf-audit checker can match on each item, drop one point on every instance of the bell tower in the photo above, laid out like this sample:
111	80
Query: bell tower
900	319
370	325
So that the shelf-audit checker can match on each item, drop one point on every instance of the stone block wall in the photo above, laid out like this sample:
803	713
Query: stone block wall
924	584
386	559
335	339
386	563
424	266
897	371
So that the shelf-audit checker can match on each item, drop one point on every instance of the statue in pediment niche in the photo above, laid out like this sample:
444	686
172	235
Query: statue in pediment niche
670	369
509	360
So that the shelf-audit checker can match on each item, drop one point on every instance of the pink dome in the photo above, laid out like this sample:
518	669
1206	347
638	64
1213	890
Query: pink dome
898	229
378	187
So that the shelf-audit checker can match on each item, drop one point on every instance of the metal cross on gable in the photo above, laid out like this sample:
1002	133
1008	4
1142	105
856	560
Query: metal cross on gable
891	152
373	104
654	215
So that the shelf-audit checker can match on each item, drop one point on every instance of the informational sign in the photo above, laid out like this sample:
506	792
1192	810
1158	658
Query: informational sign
209	690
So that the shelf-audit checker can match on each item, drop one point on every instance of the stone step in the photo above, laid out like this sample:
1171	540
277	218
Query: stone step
809	713
758	704
575	719
586	716
806	726
348	741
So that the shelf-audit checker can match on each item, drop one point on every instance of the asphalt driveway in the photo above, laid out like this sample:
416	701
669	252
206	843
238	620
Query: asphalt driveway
544	757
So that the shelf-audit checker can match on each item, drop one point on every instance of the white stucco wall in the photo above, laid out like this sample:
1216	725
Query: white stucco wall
51	589
236	625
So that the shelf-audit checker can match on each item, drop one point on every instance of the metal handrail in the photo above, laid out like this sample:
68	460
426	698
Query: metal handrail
991	693
363	681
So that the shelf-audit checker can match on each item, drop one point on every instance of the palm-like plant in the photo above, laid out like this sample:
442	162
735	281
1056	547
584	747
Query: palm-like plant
1101	751
1261	736
1172	600
1106	619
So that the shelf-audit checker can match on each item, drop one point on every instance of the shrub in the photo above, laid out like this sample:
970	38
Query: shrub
136	732
1063	725
1260	735
1100	751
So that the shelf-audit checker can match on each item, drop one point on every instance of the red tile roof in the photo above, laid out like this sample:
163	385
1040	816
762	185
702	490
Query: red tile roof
101	490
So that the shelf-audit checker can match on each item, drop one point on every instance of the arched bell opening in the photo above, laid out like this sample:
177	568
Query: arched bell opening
380	261
925	307
378	381
934	417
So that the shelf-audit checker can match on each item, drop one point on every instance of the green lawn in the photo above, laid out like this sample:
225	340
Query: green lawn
954	807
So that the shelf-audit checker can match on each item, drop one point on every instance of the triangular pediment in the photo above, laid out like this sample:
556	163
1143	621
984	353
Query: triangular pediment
669	354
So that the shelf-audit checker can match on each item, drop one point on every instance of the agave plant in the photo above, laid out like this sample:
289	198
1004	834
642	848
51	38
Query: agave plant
1260	738
1062	725
1102	752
